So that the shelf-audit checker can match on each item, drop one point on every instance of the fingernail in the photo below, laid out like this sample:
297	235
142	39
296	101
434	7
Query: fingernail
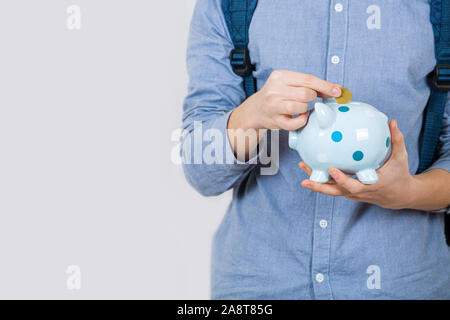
307	185
337	91
333	173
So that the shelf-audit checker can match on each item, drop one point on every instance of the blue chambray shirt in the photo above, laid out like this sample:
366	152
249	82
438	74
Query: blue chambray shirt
277	239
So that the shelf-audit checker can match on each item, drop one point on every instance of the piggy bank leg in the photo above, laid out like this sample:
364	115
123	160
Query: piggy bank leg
293	138
367	176
319	176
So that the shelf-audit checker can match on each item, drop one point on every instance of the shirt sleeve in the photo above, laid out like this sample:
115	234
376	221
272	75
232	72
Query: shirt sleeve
214	91
443	160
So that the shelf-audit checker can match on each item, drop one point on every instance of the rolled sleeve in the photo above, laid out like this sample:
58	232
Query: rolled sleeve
443	160
214	91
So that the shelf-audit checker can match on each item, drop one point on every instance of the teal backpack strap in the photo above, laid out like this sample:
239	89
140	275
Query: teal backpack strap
440	19
238	16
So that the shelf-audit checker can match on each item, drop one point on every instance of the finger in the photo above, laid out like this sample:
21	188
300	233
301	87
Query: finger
292	123
291	107
398	141
325	188
308	171
300	94
351	185
398	147
296	79
360	199
305	168
324	95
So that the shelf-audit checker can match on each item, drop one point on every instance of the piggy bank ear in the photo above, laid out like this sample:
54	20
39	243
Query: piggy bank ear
325	115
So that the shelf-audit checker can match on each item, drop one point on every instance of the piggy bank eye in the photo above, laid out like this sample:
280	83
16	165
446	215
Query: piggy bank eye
344	109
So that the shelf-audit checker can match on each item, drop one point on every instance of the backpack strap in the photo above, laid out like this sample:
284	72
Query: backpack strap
238	16
440	19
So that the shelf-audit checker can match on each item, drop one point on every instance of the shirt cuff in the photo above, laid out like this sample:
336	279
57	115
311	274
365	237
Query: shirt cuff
443	164
447	211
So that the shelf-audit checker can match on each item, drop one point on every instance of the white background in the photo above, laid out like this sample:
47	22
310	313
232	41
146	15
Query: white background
86	177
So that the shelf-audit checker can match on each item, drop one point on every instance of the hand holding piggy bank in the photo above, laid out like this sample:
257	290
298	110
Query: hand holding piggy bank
354	138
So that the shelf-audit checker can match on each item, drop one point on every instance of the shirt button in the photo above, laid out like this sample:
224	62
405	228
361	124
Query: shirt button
323	224
319	278
335	59
338	7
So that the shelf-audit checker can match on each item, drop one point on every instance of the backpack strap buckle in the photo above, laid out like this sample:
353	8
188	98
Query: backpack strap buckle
441	77
240	62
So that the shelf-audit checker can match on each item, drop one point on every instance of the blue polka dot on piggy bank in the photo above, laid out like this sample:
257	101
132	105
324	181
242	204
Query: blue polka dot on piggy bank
354	138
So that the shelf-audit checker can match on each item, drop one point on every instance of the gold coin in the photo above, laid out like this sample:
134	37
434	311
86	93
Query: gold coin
346	96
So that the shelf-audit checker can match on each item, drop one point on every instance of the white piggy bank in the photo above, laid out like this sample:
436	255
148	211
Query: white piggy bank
354	138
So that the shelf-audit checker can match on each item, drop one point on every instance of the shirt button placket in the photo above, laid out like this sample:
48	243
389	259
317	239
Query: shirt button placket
324	205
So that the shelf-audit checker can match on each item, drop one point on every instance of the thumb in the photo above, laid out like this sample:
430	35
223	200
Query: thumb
398	141
293	123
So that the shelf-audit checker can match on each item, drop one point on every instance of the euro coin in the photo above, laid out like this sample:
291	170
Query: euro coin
345	97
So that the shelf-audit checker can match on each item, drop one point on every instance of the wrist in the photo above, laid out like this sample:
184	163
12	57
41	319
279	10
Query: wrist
245	116
414	194
430	190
